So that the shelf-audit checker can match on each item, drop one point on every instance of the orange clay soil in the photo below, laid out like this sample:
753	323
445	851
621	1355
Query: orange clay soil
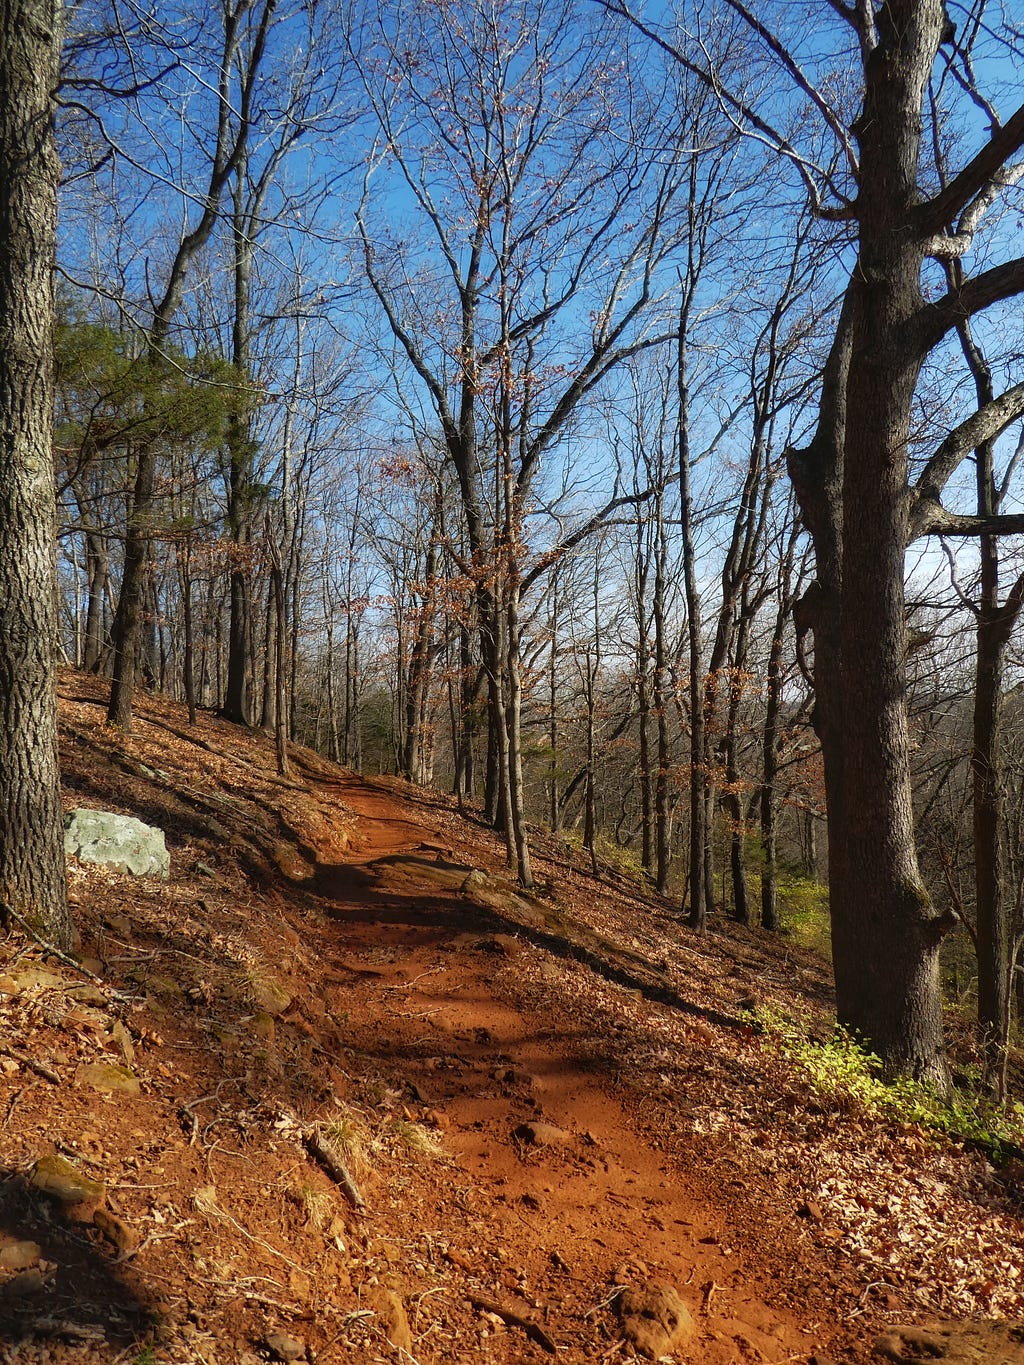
522	1103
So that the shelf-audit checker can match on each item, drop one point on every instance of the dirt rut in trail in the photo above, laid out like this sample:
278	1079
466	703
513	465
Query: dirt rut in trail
582	1200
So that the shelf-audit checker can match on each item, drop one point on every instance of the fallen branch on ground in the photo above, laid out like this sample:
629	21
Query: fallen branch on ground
334	1167
513	1319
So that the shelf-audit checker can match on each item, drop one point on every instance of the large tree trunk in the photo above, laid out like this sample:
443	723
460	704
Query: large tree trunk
32	869
885	932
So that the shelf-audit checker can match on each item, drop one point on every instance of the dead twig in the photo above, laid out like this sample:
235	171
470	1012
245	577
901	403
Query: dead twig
14	1101
53	951
334	1167
513	1319
40	1068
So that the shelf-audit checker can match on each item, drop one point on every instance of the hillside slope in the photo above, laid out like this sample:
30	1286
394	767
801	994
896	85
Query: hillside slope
351	1097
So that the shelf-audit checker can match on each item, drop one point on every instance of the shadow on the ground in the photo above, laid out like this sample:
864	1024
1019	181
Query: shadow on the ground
76	1293
354	895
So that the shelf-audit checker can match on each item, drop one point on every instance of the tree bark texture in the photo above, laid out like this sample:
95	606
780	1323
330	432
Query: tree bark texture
885	931
32	868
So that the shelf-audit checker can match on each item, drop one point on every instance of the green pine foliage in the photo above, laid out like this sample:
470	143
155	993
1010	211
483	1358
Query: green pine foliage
114	396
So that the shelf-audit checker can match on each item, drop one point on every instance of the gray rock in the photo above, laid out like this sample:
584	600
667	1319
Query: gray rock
118	841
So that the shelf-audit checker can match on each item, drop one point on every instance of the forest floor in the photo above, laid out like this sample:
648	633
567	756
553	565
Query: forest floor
348	1095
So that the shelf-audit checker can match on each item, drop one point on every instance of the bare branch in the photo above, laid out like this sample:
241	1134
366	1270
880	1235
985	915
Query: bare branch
934	520
963	598
772	42
736	108
988	422
941	210
1011	467
976	294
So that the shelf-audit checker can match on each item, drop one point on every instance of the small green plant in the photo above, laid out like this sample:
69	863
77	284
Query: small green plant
625	861
965	1114
839	1067
842	1069
147	1356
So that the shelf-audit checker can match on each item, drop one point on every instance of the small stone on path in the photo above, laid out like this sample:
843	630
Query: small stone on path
654	1319
283	1346
536	1133
19	1255
391	1312
57	1176
108	1078
954	1343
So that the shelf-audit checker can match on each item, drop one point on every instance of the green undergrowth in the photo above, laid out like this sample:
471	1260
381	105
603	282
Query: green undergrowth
803	910
844	1071
626	861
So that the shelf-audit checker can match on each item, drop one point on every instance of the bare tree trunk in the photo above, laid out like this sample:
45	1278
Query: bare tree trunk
229	143
589	786
554	807
465	787
641	575
994	624
268	713
420	664
32	868
188	662
280	659
700	890
516	805
97	568
237	698
662	691
736	803
770	742
885	931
